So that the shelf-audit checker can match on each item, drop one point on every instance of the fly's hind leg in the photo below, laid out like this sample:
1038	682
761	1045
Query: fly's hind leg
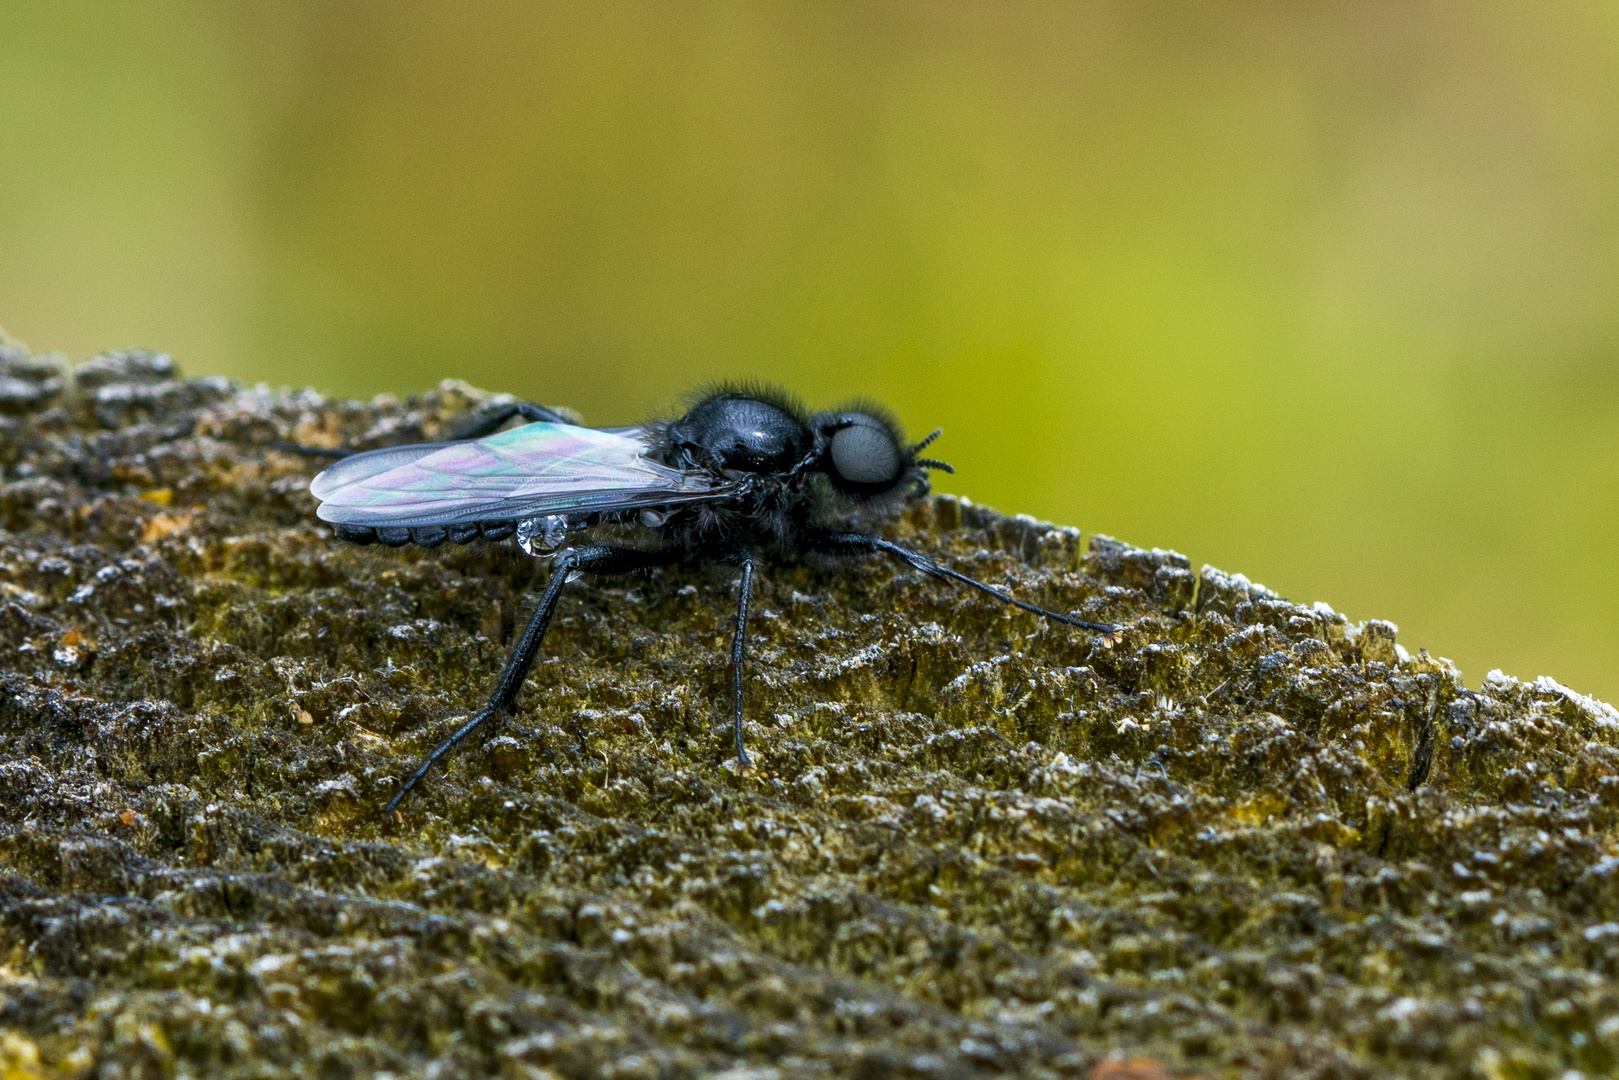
588	560
480	425
491	420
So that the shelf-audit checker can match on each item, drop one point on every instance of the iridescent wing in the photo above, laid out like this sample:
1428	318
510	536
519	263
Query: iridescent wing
530	471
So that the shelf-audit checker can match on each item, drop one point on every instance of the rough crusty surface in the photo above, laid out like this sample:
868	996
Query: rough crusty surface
1241	837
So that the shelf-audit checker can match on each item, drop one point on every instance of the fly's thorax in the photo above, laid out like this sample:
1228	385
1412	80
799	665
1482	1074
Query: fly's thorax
734	433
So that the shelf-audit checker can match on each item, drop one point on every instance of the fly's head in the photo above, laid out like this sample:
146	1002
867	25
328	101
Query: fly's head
862	450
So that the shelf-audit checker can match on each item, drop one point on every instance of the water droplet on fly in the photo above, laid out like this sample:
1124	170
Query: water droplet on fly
541	536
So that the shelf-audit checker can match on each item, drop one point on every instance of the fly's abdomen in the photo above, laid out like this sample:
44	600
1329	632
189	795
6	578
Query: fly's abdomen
426	535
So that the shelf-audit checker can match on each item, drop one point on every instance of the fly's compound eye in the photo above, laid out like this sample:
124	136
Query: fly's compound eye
864	453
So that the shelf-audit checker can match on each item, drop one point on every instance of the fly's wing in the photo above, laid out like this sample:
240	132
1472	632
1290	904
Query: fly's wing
531	471
366	464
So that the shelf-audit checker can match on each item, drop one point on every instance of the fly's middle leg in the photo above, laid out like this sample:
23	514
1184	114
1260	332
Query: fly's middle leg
739	645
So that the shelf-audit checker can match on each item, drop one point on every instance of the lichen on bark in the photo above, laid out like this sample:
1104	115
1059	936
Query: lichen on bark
1242	836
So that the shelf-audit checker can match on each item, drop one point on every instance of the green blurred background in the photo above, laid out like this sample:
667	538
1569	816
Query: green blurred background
1327	293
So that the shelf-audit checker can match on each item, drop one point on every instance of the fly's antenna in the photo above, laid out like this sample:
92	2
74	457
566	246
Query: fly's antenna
927	462
923	445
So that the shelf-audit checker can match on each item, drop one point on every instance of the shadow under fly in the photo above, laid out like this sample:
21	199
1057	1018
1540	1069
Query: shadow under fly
745	477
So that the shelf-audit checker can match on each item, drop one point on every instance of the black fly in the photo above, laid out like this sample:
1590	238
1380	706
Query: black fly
745	476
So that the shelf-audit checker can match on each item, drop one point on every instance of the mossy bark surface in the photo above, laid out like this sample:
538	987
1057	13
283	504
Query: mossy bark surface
1241	837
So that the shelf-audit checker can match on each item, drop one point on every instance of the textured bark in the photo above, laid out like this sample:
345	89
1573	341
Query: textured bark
1241	837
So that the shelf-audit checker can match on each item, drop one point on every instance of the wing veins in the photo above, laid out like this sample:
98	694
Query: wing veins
525	472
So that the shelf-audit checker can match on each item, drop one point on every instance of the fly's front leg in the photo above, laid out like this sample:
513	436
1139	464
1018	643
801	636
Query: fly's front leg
850	543
739	644
589	560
